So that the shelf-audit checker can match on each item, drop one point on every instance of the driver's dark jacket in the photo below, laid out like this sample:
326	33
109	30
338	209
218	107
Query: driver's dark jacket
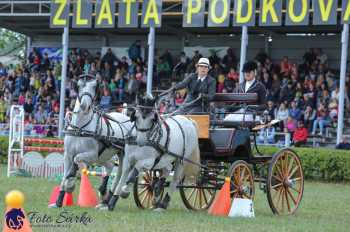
258	88
206	87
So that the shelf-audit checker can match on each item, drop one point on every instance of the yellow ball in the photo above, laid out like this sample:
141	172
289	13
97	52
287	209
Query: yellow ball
14	199
85	171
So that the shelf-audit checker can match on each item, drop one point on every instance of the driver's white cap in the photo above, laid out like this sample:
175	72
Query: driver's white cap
204	61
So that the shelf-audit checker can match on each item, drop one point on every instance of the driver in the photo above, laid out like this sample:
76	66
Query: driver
250	85
199	83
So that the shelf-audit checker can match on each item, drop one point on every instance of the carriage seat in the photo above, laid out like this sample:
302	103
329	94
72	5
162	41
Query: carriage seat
233	124
237	98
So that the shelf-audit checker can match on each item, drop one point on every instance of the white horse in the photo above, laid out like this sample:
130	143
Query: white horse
92	137
160	144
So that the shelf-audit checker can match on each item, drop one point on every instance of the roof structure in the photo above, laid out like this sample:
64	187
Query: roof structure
32	18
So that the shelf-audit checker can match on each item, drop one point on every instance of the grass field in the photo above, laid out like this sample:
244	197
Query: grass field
325	207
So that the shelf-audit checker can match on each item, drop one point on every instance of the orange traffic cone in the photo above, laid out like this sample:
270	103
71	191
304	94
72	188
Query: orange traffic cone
15	217
222	202
87	195
68	197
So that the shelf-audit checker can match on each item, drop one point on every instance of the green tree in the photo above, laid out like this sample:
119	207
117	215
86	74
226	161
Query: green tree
12	42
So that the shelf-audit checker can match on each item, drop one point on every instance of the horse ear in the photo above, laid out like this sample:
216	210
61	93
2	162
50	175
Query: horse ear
133	116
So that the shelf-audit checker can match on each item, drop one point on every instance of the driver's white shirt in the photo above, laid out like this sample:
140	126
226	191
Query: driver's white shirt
248	84
239	115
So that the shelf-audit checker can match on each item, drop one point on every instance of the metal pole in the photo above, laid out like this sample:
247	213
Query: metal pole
29	45
244	44
65	43
151	42
344	56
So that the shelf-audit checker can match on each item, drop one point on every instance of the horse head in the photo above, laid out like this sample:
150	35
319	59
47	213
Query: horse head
145	117
87	85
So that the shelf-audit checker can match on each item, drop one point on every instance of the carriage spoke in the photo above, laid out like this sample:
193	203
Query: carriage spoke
298	191
205	197
282	191
200	198
191	194
246	195
279	173
150	196
195	198
279	196
290	166
277	178
292	172
242	174
296	179
291	196
277	185
287	200
143	191
145	196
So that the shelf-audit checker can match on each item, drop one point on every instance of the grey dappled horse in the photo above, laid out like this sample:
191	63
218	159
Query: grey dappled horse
92	138
159	144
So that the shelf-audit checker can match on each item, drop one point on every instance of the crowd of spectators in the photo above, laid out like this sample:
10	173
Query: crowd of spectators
303	96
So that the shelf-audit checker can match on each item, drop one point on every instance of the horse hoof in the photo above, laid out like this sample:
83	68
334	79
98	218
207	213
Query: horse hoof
103	208
53	206
124	195
99	206
159	210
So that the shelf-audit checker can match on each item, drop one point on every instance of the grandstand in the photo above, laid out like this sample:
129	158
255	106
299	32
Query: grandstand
265	43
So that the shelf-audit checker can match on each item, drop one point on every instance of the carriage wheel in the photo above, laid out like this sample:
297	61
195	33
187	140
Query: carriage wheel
242	180
197	196
285	182
143	189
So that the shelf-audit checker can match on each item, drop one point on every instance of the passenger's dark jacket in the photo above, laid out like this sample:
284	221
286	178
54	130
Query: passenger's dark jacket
206	87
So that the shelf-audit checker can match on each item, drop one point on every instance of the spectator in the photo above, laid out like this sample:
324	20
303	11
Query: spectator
40	115
163	69
309	117
285	66
290	125
109	58
294	111
181	67
179	98
3	70
106	100
321	121
229	61
2	109
123	64
282	115
134	51
120	84
133	87
271	110
268	134
300	134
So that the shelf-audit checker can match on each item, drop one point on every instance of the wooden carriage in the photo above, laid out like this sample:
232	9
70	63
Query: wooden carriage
227	151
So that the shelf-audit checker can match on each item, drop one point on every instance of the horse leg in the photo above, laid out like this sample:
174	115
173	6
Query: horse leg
115	181
103	187
158	186
173	186
143	164
125	171
85	158
68	181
